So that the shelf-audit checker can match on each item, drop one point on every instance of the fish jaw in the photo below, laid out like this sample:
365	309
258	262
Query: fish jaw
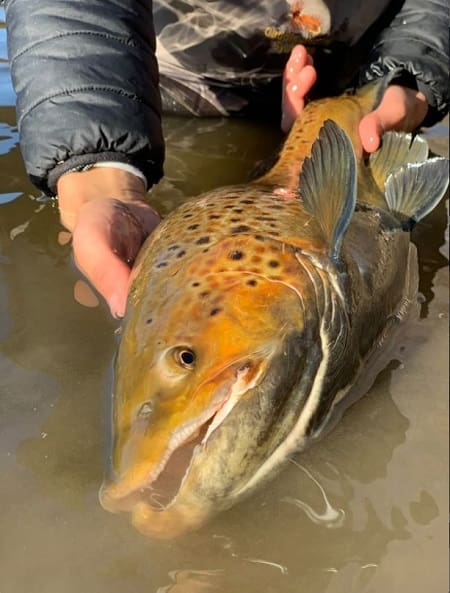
150	446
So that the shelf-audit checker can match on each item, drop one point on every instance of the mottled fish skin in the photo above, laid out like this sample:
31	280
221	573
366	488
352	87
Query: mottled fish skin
241	332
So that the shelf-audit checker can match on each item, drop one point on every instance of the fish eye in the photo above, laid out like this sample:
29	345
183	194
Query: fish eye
185	357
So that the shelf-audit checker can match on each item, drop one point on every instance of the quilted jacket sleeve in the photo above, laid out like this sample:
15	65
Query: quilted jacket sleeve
417	45
86	80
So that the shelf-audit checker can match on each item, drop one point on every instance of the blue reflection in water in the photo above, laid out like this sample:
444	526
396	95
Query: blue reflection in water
7	95
9	138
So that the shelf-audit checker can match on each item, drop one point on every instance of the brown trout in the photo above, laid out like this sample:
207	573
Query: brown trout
254	311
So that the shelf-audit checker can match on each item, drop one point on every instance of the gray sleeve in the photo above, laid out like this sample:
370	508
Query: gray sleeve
416	44
86	80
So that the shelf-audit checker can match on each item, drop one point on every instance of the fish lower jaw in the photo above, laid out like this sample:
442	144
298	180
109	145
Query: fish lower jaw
160	490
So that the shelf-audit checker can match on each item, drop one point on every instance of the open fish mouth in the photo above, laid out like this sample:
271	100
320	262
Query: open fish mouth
163	483
160	487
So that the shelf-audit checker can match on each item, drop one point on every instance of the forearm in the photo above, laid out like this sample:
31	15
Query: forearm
416	47
87	86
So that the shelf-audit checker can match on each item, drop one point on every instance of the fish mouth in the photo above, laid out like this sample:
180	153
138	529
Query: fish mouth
163	482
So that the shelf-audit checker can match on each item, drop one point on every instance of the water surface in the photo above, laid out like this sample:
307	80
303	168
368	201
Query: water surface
363	511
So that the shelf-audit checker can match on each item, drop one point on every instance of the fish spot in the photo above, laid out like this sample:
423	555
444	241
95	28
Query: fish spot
238	210
259	238
240	229
273	263
162	264
149	321
276	207
236	255
202	241
195	284
173	247
248	201
214	216
204	294
215	311
252	282
192	227
181	253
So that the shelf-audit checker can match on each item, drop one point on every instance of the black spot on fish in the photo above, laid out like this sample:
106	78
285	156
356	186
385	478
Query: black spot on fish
236	255
229	206
273	263
248	201
214	216
149	321
235	219
202	241
252	282
205	250
240	229
238	210
188	215
162	264
181	253
259	238
214	311
192	227
204	294
276	207
174	247
195	284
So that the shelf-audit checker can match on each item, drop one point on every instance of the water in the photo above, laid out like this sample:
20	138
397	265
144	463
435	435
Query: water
363	511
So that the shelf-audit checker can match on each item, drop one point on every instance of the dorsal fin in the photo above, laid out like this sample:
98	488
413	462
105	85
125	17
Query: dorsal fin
397	150
415	189
328	184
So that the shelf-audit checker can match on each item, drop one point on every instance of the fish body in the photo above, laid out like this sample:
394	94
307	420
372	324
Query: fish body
255	309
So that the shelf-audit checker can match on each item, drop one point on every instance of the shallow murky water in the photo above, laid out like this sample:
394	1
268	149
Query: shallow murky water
365	510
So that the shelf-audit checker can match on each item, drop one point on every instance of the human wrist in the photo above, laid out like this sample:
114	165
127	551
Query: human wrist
79	187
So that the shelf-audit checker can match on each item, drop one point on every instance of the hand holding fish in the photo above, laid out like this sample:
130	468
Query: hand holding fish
401	109
105	209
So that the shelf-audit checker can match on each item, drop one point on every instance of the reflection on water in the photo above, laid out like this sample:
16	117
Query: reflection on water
362	511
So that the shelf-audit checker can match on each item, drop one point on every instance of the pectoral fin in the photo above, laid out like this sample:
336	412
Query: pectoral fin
415	189
397	150
328	184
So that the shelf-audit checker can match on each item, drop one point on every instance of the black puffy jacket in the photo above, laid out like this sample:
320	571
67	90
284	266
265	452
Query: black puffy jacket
86	77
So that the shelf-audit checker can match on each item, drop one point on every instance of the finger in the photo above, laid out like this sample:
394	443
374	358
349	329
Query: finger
298	59
370	132
107	272
294	95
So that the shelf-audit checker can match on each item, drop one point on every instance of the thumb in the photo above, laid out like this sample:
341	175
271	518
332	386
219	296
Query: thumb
107	272
371	131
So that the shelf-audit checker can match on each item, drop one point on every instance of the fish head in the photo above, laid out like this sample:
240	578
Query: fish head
199	389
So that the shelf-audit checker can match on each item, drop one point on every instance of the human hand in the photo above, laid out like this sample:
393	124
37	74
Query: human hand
298	78
401	109
106	212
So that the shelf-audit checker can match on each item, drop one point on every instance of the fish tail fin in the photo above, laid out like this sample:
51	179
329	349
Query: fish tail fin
411	183
415	189
397	150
